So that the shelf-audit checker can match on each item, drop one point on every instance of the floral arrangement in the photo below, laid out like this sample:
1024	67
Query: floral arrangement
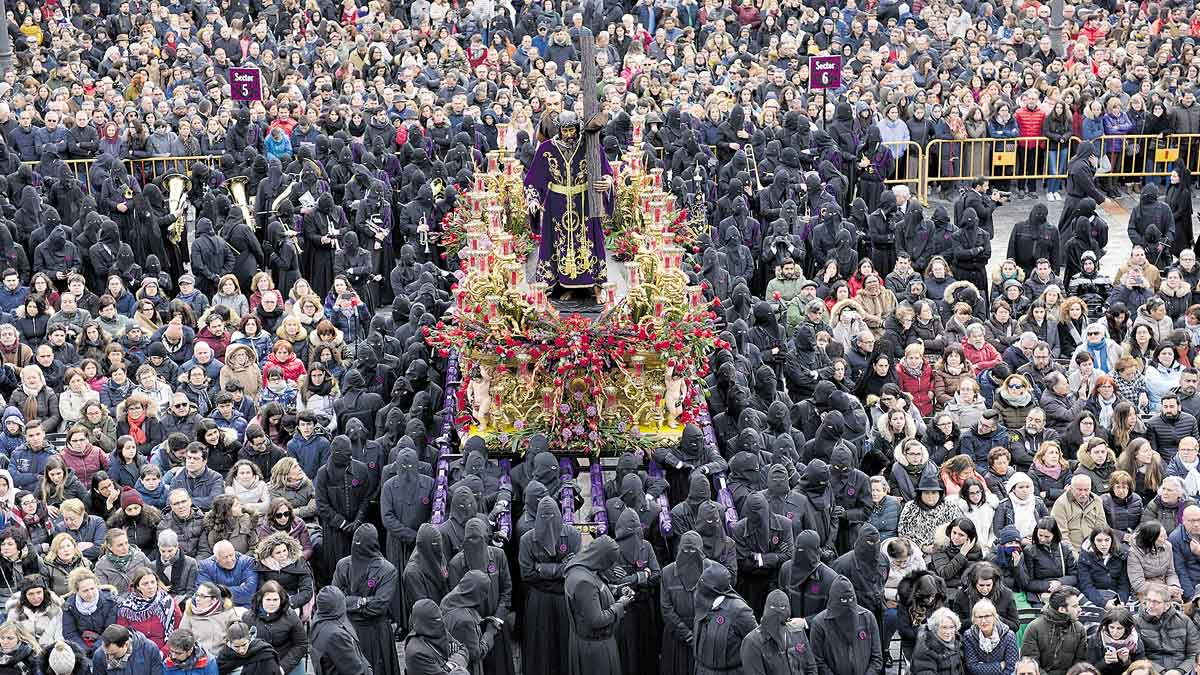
627	380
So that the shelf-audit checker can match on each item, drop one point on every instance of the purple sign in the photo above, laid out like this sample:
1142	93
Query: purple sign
824	72
245	84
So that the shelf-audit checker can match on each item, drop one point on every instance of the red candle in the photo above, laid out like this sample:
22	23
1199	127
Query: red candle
479	182
493	162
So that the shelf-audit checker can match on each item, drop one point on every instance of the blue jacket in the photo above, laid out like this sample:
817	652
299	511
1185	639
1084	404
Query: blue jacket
1187	564
203	488
281	148
311	454
978	447
242	580
146	659
9	443
92	530
1095	576
237	423
200	663
1000	661
26	465
79	628
11	300
23	144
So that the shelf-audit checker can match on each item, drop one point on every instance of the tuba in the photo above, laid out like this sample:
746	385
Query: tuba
178	185
236	187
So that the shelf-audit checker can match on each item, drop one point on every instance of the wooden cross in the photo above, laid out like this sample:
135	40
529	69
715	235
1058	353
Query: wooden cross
588	83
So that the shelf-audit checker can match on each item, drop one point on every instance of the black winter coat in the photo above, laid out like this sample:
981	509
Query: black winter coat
284	631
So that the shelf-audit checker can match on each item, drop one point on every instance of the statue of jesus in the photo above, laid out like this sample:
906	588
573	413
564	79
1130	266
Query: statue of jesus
571	255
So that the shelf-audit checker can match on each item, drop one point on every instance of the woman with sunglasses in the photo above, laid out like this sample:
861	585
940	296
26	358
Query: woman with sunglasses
279	558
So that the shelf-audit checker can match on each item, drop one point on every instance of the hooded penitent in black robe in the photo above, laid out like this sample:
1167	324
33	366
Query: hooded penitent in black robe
404	505
685	514
343	491
845	637
777	646
637	567
594	614
544	551
333	641
321	232
805	578
851	491
723	619
718	546
369	582
1179	198
464	610
427	574
463	507
476	555
677	603
861	566
429	649
764	543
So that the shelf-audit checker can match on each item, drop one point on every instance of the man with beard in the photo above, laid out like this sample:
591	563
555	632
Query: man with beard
778	646
845	637
784	289
723	620
682	464
764	542
594	614
370	582
544	552
342	491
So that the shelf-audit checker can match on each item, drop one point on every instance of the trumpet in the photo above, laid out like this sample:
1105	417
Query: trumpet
291	237
236	187
423	229
128	191
178	185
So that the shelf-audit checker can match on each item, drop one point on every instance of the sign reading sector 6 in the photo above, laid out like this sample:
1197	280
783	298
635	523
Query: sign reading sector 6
245	84
824	72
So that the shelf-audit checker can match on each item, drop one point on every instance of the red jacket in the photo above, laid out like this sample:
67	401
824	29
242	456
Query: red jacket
1029	122
150	626
293	370
84	466
920	387
984	358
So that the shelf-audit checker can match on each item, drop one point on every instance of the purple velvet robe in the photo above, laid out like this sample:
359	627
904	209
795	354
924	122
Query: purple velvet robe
571	253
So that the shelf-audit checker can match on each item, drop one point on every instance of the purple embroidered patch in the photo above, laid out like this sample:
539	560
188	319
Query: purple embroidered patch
775	540
720	619
814	588
800	649
791	514
445	572
492	568
354	482
424	499
639	563
371	583
562	548
862	635
850	492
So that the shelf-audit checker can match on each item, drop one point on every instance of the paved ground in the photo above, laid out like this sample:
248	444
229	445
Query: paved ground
1006	217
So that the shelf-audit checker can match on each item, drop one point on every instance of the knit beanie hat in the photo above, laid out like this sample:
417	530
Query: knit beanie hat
61	659
130	496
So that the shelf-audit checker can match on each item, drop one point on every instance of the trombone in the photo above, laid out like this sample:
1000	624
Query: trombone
753	161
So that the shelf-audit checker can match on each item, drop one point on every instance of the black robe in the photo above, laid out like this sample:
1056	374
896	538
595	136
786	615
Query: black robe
544	552
405	503
593	613
845	637
641	628
427	574
318	255
429	649
497	602
719	627
332	639
370	582
342	497
677	602
764	543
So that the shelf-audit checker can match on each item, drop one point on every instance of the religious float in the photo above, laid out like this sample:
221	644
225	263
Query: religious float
623	375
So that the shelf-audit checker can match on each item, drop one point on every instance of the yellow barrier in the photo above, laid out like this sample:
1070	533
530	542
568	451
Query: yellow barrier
144	170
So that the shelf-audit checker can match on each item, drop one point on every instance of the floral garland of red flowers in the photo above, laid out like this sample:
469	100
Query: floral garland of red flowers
576	349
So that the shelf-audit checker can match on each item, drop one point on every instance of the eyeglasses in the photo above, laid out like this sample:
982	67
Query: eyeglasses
1016	386
283	514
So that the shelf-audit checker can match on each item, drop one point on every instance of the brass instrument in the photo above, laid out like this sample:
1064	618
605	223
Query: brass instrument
424	230
289	233
236	187
753	161
128	191
308	163
284	195
178	185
